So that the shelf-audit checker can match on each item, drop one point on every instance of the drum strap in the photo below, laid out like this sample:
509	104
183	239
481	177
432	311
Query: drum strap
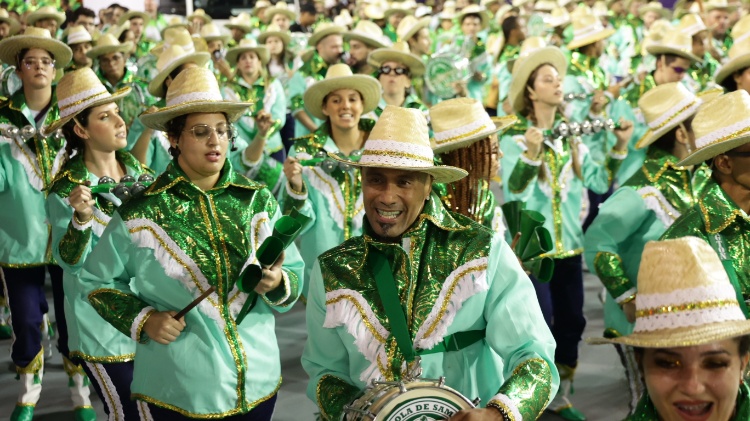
386	286
718	243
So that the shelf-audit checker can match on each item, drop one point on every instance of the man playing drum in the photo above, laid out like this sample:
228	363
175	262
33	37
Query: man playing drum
424	293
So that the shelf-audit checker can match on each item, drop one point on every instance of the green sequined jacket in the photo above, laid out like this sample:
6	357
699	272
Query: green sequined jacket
452	275
161	251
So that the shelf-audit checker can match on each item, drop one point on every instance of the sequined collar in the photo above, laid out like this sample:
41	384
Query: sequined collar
76	171
317	65
175	177
18	103
260	81
127	78
658	162
718	209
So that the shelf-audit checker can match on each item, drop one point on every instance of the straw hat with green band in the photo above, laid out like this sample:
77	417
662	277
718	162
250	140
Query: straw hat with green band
77	91
719	126
130	14
46	12
193	91
35	38
685	298
169	60
273	30
107	44
245	45
400	140
460	122
339	76
676	43
399	53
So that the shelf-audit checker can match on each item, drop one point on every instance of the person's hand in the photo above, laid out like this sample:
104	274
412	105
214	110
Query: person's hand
293	172
534	139
82	201
623	134
263	121
629	310
477	414
460	88
271	277
162	327
598	102
507	107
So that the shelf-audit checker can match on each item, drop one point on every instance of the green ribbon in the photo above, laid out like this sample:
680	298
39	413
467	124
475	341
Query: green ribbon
719	245
534	241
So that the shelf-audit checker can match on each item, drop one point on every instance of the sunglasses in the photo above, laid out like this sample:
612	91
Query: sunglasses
679	70
386	70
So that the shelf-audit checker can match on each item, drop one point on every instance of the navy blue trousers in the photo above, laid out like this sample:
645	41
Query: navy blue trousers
287	132
262	412
112	383
28	304
561	301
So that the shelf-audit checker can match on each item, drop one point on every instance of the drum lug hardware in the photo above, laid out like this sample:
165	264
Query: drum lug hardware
476	401
441	381
401	387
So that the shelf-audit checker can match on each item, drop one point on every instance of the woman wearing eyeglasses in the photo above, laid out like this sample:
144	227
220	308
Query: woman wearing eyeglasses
329	193
197	227
95	135
396	66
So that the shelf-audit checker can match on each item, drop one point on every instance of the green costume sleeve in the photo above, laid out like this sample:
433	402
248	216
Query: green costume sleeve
70	241
524	173
266	170
598	177
297	88
278	109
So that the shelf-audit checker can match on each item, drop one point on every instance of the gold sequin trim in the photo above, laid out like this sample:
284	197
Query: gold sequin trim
686	307
446	301
461	136
34	366
103	360
81	101
727	222
362	313
727	137
398	154
661	204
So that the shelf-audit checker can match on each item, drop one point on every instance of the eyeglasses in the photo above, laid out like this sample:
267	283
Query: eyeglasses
34	62
202	132
679	70
386	70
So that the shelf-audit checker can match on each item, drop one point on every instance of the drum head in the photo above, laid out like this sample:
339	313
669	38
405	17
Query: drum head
423	402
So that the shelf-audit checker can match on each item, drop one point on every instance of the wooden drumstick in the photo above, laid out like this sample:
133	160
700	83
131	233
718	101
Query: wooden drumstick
195	302
515	240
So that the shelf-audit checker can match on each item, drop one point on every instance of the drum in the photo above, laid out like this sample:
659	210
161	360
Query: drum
418	400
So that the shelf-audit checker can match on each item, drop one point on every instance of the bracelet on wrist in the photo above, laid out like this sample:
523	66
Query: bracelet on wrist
500	409
79	222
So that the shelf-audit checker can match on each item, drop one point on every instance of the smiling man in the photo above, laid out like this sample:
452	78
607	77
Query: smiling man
449	299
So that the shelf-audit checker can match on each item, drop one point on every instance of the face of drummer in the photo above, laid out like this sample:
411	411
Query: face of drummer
547	87
202	159
330	48
343	107
696	382
392	82
393	199
471	25
105	130
282	20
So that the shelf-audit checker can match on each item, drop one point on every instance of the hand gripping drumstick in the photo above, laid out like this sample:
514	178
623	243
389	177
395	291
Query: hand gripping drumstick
195	302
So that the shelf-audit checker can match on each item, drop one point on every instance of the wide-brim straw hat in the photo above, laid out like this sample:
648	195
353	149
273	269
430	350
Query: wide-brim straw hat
664	107
339	76
399	53
307	54
323	30
280	8
14	25
246	45
260	5
477	10
193	91
741	29
130	14
174	23
410	25
211	32
170	59
720	126
654	6
77	34
374	12
369	33
200	14
397	7
175	36
529	59
46	12
77	91
675	43
460	122
107	44
685	298
691	24
273	30
739	58
448	12
587	29
241	22
35	38
400	140
558	17
718	5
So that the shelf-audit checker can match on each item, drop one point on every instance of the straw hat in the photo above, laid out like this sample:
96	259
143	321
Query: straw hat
675	43
339	76
170	59
175	36
691	24
474	9
46	12
558	17
399	53
35	38
449	10
280	8
720	126
400	140
587	29
501	13
211	32
544	6
369	33
684	298
107	44
459	122
200	14
344	19
77	34
260	5
739	58
273	30
130	14
174	22
654	6
14	25
718	5
374	12
397	7
242	22
77	91
246	45
422	11
741	29
410	25
664	107
307	54
323	30
534	52
600	9
193	91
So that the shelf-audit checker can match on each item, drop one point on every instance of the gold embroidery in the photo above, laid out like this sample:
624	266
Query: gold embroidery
398	154
104	360
362	313
686	307
461	136
446	301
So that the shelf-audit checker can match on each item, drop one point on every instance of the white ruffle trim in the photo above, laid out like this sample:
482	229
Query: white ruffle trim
348	307
657	203
618	156
161	137
498	224
673	112
195	96
715	135
625	295
714	292
508	403
528	161
137	322
190	275
329	188
463	283
262	221
112	398
26	158
57	163
484	122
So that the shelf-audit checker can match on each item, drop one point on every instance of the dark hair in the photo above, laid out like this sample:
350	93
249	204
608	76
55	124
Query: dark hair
471	15
22	54
510	23
308	7
175	127
118	6
123	36
729	83
669	139
668	58
82	11
73	142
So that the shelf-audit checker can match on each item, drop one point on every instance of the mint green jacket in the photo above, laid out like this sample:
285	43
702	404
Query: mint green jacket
452	275
90	337
158	156
152	258
310	72
27	168
265	95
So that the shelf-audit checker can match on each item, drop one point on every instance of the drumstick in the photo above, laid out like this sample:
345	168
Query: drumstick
515	240
195	302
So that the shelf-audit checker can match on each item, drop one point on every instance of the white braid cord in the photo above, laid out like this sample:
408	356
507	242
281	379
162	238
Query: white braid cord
213	95
111	397
674	112
484	122
509	404
710	138
740	38
657	203
79	37
392	149
686	318
81	95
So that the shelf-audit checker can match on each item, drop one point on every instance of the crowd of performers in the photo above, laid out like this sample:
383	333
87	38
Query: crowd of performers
147	161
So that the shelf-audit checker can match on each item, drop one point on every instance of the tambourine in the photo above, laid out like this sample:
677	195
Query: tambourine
584	128
126	188
420	399
577	97
328	164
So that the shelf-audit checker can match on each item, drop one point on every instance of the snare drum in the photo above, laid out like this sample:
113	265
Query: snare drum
419	400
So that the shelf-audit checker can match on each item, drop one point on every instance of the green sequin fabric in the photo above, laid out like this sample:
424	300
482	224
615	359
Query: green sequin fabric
530	387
